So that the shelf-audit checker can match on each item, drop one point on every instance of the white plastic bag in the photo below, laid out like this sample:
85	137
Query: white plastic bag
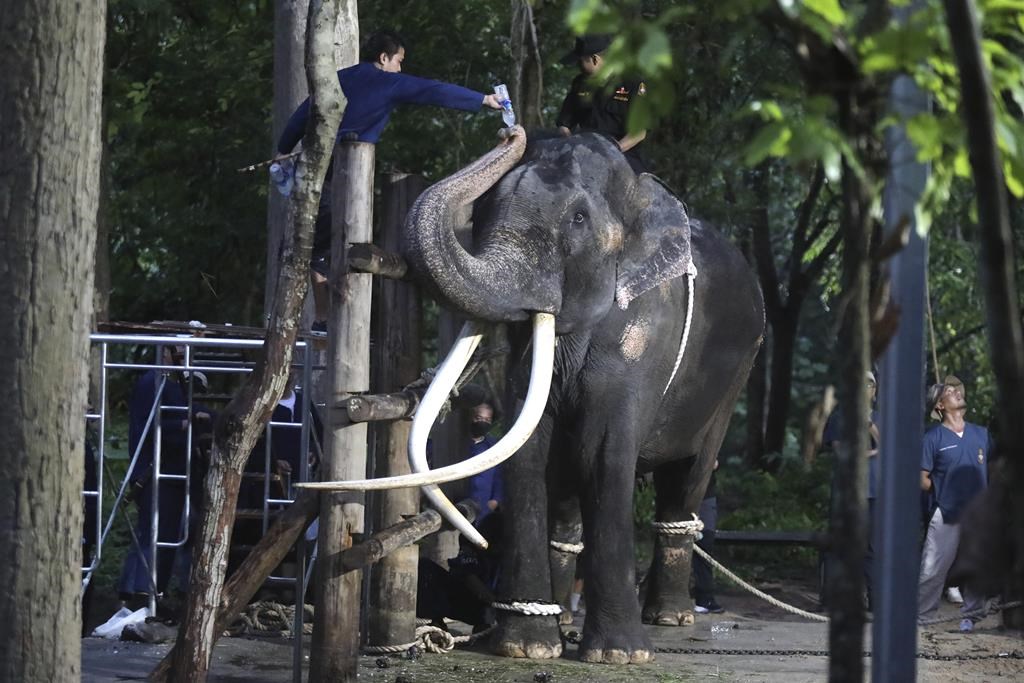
112	627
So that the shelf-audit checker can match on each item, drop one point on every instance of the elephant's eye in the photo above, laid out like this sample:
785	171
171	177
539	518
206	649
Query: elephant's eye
578	218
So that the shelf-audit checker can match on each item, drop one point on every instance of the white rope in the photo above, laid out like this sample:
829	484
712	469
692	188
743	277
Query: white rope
572	548
429	637
536	609
761	594
686	330
691	527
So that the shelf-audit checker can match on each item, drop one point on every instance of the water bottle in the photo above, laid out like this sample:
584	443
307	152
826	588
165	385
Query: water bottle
507	115
283	175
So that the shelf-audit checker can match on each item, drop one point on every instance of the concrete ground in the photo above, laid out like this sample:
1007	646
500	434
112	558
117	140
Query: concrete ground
748	625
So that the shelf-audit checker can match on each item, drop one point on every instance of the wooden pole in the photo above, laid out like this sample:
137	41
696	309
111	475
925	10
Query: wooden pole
335	648
395	363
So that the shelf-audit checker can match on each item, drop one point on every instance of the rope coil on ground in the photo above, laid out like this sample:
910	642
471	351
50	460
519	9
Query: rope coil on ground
537	608
571	548
691	527
271	616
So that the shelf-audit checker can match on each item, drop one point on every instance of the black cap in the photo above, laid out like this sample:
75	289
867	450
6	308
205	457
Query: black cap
586	45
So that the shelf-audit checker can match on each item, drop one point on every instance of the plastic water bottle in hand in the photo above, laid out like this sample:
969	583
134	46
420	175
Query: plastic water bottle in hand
283	174
507	115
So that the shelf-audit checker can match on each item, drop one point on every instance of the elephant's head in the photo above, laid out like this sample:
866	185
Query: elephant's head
570	231
563	236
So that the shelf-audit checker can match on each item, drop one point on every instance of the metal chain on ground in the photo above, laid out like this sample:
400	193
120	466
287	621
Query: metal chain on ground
535	608
271	616
761	594
571	548
691	527
574	637
931	656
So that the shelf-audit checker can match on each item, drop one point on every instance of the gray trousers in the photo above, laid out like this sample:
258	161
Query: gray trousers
937	557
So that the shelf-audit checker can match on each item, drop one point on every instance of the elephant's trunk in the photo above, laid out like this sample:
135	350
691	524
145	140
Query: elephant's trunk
490	286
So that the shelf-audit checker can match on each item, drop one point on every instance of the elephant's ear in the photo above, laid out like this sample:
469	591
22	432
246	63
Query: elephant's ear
658	246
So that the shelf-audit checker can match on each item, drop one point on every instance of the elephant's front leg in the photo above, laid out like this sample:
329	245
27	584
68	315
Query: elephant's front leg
612	632
525	571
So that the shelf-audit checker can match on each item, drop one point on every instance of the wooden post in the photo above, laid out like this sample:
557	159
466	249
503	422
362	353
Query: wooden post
335	647
395	363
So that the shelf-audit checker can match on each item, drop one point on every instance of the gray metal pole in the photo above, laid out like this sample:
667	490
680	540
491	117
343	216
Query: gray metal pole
897	532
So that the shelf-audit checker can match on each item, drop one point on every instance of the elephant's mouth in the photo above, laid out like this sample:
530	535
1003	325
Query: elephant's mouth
533	408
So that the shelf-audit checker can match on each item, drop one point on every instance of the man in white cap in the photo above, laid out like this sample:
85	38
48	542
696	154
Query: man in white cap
953	471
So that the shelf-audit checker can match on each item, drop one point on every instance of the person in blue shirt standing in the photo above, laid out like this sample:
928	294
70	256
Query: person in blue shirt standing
953	470
373	88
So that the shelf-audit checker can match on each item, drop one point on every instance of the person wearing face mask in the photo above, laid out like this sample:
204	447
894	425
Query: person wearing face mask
486	488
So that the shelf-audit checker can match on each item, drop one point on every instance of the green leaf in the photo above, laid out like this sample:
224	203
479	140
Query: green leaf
772	140
829	10
926	134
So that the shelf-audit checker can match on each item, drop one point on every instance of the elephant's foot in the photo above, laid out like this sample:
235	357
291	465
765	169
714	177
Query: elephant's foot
622	644
531	637
662	615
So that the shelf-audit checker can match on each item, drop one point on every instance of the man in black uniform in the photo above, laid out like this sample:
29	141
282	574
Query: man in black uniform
591	106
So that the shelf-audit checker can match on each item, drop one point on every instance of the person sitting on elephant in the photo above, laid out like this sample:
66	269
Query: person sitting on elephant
373	88
597	107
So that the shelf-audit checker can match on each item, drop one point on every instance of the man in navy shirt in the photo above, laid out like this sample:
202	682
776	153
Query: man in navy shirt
486	488
953	471
373	88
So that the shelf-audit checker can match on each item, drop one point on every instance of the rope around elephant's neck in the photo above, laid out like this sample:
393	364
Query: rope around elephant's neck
690	277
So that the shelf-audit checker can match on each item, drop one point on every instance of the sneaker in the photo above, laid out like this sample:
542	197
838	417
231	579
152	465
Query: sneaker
966	626
953	595
319	328
708	606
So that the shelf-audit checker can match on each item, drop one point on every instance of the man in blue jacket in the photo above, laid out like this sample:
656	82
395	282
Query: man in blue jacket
953	470
373	88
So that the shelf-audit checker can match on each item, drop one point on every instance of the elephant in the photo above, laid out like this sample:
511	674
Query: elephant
646	323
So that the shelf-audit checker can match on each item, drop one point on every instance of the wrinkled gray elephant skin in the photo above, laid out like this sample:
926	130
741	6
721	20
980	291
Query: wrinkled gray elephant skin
569	229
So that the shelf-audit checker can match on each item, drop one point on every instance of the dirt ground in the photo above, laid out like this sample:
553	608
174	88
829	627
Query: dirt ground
748	624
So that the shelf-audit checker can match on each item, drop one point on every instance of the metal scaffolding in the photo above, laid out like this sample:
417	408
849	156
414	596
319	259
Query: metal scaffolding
194	360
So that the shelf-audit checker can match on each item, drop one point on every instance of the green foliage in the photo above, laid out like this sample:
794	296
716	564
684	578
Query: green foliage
187	102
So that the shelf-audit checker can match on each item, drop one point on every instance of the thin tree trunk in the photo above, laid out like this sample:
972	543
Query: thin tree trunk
527	86
258	564
846	606
50	94
1005	334
784	327
289	90
757	386
239	426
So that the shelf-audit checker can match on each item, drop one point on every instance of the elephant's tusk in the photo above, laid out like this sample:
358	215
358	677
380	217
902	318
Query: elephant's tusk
427	412
529	416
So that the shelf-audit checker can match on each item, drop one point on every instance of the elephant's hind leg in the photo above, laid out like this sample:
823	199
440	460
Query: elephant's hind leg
668	601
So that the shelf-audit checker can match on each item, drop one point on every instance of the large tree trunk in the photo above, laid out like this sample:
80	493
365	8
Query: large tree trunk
526	87
1005	334
289	90
50	94
240	424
